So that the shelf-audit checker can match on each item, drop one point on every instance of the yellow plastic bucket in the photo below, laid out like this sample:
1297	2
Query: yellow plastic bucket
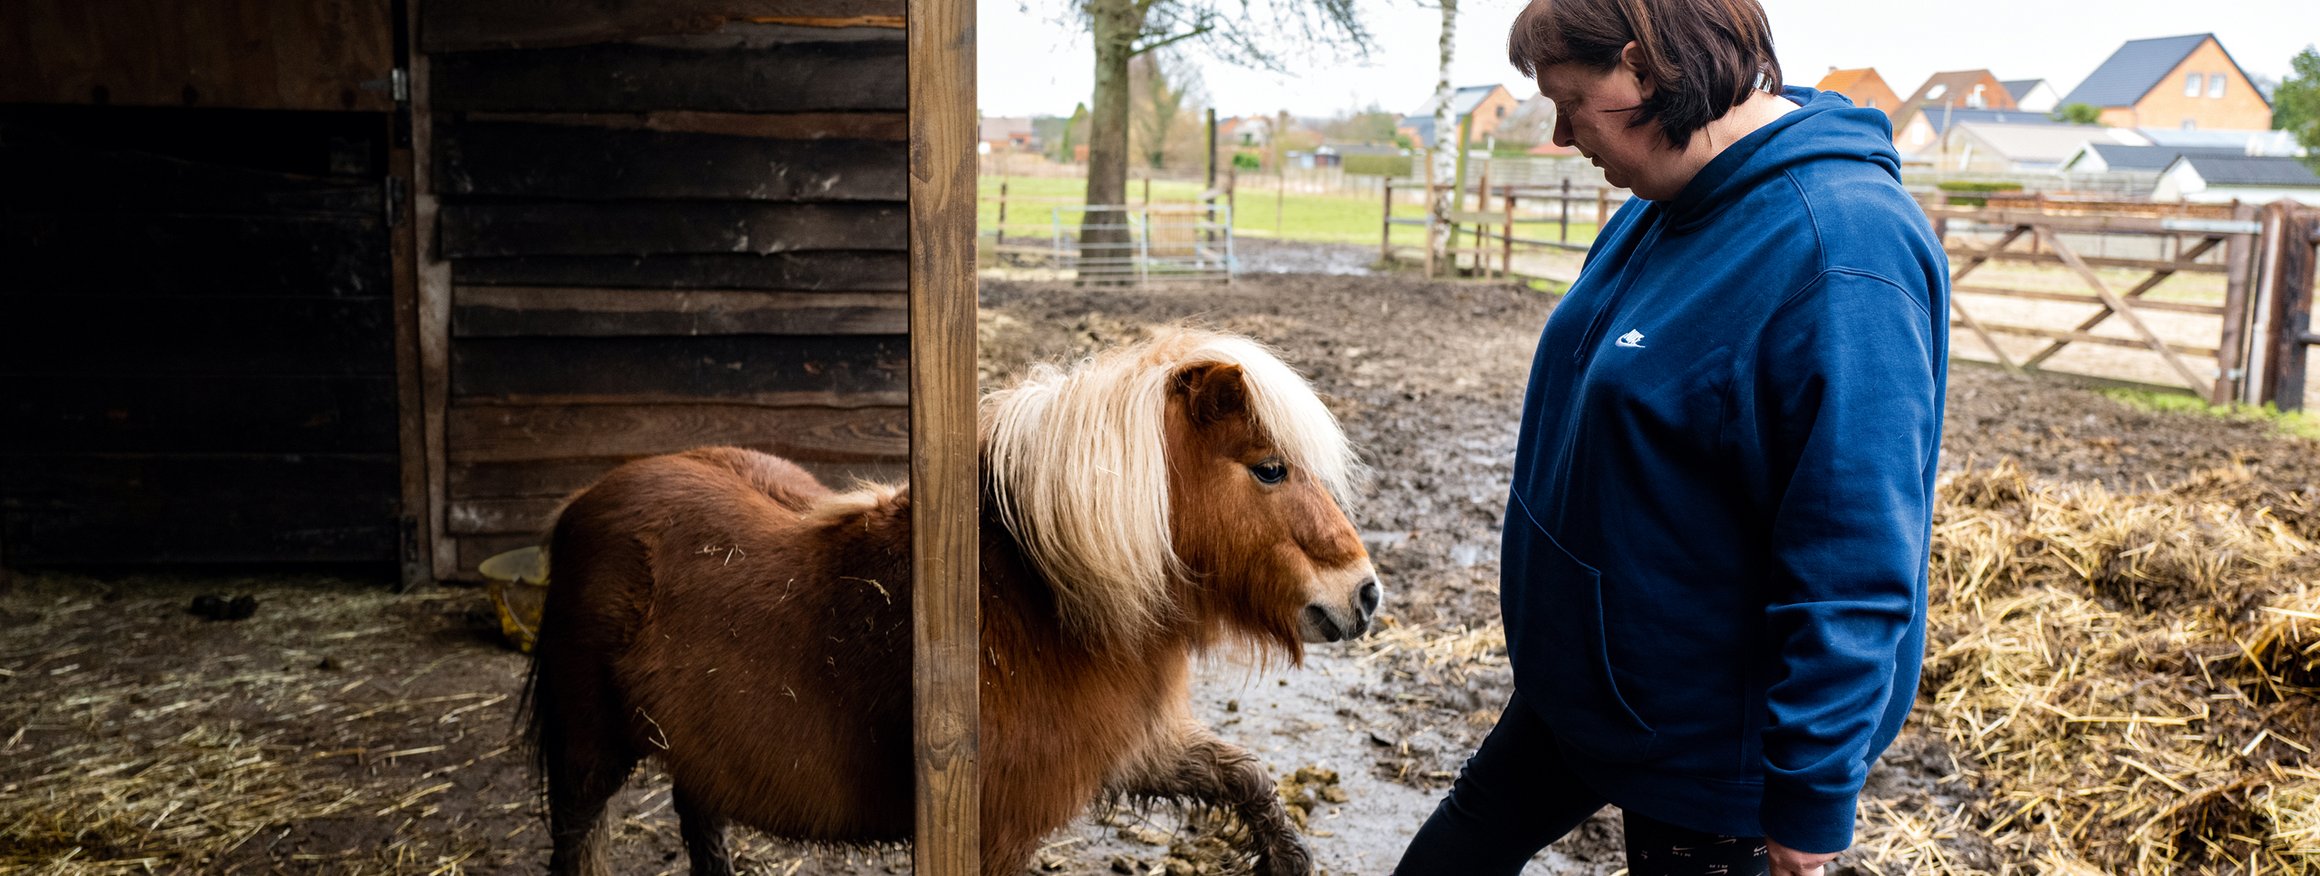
519	588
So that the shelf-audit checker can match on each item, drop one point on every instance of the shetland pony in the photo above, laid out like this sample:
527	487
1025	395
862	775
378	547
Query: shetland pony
723	611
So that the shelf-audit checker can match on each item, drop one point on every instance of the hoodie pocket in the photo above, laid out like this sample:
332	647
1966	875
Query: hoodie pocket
1566	664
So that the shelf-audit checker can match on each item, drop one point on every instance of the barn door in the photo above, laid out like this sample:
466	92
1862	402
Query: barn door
198	320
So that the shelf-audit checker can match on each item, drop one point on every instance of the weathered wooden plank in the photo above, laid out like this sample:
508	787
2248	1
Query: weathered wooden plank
433	305
198	413
761	369
502	433
415	546
466	25
821	271
849	75
68	180
568	161
260	54
508	516
945	482
77	508
666	228
509	311
778	126
560	478
56	334
188	255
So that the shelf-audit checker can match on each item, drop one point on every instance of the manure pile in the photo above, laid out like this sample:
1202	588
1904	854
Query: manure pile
2130	680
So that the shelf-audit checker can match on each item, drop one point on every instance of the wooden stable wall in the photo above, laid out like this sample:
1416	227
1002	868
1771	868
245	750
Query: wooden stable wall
196	330
664	228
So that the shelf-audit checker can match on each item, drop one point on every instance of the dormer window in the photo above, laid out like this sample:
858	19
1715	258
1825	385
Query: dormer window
1937	91
2191	84
1975	99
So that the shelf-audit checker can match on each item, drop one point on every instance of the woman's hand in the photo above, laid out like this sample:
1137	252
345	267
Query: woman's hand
1790	862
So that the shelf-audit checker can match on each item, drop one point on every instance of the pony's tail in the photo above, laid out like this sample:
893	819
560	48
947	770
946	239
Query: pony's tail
532	703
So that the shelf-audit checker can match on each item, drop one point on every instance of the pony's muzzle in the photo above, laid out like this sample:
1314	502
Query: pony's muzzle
1324	622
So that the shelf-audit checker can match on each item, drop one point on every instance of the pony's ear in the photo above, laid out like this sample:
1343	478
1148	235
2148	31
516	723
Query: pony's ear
1213	391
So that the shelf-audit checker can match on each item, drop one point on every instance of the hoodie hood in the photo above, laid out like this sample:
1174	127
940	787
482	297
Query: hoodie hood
1824	126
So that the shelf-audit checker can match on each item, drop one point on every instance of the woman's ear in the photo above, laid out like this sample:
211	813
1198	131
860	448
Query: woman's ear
1631	63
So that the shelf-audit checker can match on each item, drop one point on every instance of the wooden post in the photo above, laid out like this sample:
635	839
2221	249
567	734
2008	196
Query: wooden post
1482	231
1386	237
1147	190
1563	212
2231	350
432	276
2291	310
415	542
1506	253
1000	235
1602	207
944	482
1208	195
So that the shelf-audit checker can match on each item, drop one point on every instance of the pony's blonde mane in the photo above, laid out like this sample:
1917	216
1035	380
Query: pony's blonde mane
1077	463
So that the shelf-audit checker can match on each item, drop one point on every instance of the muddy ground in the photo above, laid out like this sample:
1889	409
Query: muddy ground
344	729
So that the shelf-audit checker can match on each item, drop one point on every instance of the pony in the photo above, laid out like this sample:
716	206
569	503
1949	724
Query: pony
723	611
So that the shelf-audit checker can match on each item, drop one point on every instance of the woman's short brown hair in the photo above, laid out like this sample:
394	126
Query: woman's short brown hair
1703	56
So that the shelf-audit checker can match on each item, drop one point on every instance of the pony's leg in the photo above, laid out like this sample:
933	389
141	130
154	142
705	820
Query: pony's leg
704	832
1195	766
586	764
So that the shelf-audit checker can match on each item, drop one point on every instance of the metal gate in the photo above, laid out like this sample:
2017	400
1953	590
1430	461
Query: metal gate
1145	243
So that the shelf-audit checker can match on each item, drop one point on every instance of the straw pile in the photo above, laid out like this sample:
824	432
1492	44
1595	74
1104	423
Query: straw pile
2130	679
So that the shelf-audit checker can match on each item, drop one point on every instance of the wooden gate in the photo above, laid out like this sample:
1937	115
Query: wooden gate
2185	241
2278	356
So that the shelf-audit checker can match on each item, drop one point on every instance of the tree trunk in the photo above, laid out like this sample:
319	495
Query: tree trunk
1103	235
1443	151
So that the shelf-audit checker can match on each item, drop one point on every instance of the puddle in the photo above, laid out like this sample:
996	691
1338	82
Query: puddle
1315	719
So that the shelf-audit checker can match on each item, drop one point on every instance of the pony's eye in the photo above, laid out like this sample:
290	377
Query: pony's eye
1271	471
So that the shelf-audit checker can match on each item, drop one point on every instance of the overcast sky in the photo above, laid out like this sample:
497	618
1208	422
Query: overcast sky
1034	60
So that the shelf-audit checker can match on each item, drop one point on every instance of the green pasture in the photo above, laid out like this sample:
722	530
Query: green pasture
1257	212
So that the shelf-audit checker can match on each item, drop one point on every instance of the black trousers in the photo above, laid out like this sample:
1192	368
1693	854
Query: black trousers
1516	795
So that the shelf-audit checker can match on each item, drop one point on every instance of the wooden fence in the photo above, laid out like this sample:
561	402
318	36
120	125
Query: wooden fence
2215	299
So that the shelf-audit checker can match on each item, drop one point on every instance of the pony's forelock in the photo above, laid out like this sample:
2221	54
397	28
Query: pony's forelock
1078	466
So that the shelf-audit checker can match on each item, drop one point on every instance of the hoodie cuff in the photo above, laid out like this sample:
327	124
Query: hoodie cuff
1813	823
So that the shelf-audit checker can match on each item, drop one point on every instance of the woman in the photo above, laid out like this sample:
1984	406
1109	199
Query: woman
1715	549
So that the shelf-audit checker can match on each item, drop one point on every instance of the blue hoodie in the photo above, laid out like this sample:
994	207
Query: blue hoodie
1715	551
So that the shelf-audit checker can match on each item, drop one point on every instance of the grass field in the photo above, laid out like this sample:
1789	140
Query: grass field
1258	212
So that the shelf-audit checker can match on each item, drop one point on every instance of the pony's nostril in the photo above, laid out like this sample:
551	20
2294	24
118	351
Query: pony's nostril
1371	595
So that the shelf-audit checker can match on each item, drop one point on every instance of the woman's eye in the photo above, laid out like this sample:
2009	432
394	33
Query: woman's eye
1270	471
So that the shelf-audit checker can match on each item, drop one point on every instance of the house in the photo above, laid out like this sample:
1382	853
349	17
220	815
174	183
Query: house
2254	179
2187	82
1488	105
1924	129
1955	90
2246	142
2033	95
2095	157
2019	148
1865	88
1007	134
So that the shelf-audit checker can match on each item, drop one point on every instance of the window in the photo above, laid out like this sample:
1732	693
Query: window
1502	112
1975	99
1936	92
2214	85
2191	85
2190	124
